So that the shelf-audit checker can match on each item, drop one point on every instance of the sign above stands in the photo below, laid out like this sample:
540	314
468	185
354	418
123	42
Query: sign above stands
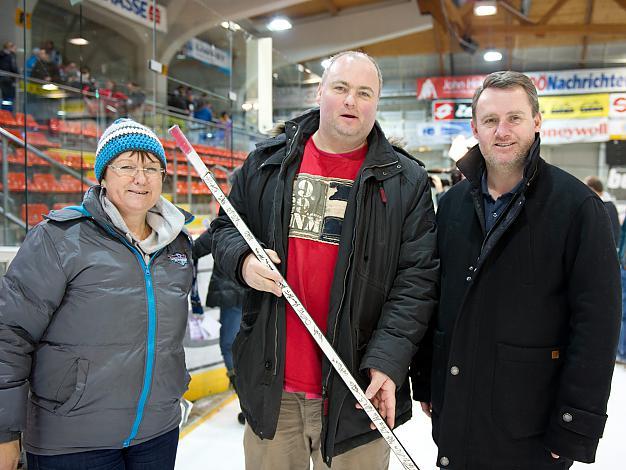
140	11
564	82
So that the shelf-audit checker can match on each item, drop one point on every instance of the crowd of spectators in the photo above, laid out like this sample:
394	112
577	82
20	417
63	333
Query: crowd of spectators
104	95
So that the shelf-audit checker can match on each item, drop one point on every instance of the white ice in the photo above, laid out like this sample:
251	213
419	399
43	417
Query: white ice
217	443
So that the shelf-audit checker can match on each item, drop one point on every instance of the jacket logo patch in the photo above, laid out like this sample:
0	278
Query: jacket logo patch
179	258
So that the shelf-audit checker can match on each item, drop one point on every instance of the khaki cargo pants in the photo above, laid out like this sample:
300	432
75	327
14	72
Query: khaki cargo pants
297	442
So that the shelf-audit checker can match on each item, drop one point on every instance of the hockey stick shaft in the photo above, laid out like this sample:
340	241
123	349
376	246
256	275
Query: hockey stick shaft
395	445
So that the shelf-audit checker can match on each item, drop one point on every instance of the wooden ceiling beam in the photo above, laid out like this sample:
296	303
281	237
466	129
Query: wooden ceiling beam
331	7
585	41
621	3
613	29
432	8
454	15
514	12
439	47
558	4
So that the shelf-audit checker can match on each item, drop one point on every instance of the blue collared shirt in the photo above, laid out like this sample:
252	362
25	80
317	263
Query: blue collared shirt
493	209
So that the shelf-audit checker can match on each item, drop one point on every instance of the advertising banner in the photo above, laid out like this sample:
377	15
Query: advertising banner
617	129
574	107
617	105
574	131
208	54
140	11
565	82
448	110
441	132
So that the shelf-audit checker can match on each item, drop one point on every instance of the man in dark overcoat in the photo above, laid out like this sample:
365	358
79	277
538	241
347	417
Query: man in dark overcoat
524	339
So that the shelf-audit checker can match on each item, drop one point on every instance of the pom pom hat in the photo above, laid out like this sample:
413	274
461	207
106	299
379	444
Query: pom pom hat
126	135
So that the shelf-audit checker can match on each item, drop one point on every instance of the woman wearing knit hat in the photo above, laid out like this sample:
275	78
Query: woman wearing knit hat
93	311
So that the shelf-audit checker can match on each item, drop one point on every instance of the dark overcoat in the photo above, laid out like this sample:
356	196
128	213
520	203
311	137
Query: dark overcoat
524	339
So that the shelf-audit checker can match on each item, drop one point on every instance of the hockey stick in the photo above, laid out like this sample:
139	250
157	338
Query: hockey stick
310	325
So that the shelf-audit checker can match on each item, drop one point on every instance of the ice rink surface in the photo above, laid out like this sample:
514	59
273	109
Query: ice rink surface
217	443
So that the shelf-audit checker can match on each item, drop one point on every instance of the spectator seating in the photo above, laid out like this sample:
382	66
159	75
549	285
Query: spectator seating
35	213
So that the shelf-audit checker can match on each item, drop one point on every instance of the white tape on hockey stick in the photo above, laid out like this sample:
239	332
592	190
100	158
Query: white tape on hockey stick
395	445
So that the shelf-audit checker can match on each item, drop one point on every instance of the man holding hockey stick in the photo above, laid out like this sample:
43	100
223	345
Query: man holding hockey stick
348	219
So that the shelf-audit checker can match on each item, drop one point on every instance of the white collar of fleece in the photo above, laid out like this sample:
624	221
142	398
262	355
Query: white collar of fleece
165	220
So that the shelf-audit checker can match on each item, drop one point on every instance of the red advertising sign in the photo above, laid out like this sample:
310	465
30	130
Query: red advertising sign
617	107
452	110
563	82
433	88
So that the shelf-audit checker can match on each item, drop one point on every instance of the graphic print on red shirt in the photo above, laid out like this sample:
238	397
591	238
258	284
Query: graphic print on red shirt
319	200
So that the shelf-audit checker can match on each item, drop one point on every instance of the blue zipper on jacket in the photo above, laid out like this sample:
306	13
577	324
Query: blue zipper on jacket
147	378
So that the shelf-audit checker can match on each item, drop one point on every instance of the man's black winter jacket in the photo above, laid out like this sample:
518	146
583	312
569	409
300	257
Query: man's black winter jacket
384	288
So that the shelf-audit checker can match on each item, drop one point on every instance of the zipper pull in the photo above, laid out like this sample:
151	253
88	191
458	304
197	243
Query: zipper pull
381	191
324	402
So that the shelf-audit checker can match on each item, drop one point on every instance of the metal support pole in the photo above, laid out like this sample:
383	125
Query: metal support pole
5	187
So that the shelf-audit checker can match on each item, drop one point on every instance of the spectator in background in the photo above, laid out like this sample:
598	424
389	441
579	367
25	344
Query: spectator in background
44	69
177	99
114	99
203	112
135	101
71	75
203	109
31	61
189	101
88	82
596	186
8	63
226	129
53	53
228	296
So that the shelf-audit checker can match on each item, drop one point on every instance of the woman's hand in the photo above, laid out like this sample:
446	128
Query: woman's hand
9	455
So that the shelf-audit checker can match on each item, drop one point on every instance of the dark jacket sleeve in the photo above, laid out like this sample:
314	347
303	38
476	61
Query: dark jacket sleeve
228	247
594	295
614	218
202	245
30	293
413	296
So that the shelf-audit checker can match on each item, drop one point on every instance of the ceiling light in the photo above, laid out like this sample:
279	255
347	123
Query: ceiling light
307	70
246	106
78	41
485	8
300	68
326	63
7	103
279	24
61	113
230	25
50	87
492	56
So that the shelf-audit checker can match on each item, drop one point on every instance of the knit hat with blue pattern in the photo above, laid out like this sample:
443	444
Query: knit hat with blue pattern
122	136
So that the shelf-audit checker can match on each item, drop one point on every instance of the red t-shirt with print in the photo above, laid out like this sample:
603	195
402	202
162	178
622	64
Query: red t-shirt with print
320	196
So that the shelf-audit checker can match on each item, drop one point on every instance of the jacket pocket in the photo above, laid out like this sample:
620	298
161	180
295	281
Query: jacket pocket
525	382
438	374
170	377
58	378
82	370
